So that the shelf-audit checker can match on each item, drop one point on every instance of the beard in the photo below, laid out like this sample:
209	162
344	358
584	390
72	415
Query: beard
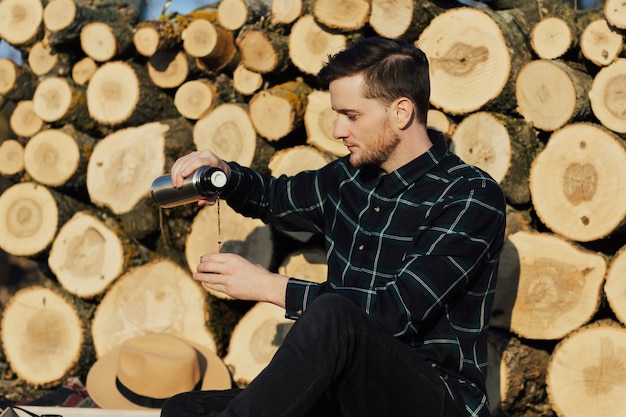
378	153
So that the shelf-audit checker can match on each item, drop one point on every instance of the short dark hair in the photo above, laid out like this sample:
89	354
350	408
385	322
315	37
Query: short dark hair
392	68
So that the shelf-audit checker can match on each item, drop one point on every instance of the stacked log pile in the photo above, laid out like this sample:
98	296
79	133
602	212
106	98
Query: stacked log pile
104	103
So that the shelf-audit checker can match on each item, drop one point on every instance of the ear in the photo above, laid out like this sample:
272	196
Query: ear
404	112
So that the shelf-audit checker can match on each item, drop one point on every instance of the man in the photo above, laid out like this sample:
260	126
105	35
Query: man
412	237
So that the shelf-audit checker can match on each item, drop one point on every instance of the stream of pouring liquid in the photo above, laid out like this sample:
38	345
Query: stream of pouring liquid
219	226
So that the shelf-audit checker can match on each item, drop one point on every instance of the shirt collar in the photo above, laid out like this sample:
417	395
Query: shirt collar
409	173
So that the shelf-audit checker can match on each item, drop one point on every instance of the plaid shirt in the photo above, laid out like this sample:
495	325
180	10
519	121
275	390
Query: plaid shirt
417	249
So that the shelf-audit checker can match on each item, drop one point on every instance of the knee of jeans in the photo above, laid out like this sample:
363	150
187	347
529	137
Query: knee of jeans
334	307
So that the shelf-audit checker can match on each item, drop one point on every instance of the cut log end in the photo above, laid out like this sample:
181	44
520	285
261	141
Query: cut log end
20	20
587	372
570	187
59	14
146	41
551	38
30	214
11	157
51	157
86	256
544	294
42	336
467	71
98	41
113	93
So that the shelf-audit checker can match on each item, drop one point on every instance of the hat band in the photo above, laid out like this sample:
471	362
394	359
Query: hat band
144	400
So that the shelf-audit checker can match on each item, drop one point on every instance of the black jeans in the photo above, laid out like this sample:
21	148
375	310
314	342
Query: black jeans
335	361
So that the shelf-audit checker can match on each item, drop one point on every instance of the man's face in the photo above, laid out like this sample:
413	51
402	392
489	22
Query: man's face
364	125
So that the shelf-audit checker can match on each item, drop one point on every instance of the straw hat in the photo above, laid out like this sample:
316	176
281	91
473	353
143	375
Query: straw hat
144	371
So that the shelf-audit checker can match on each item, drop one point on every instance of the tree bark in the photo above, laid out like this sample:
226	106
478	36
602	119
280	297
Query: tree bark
516	381
581	166
502	146
544	294
586	374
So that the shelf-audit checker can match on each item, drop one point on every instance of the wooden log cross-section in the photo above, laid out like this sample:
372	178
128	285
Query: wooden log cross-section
581	168
158	296
502	146
476	71
551	93
547	286
587	372
45	324
90	252
33	214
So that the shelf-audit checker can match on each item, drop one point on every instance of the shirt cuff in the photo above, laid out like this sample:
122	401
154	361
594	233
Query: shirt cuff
298	296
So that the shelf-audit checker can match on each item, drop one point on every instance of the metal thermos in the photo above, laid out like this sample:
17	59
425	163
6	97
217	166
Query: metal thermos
204	182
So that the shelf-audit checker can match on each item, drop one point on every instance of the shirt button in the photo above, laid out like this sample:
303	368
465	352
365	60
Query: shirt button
377	209
361	247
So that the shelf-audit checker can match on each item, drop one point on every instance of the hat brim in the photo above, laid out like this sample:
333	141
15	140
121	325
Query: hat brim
102	389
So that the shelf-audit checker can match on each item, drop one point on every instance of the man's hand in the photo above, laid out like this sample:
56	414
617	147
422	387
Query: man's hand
186	165
239	278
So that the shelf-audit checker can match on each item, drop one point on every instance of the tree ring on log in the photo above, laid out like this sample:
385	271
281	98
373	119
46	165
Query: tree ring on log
580	169
51	157
20	20
470	65
30	214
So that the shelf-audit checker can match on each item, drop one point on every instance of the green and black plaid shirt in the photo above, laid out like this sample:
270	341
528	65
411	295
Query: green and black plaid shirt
417	249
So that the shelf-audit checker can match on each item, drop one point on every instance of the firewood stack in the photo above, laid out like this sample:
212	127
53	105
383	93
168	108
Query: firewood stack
104	103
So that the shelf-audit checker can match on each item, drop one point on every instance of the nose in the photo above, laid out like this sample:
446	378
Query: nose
340	130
